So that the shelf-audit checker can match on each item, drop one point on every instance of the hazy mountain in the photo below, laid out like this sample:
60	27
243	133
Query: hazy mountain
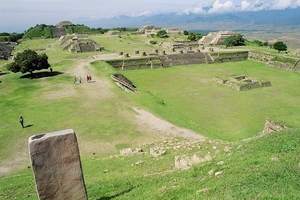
250	20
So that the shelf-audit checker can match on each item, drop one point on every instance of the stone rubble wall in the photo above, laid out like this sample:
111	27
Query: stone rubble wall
270	127
6	49
57	32
161	61
137	63
268	59
248	86
230	56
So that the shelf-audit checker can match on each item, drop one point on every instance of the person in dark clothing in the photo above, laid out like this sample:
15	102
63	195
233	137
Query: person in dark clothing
21	120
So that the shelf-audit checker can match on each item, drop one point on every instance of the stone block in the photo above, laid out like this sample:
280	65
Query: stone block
56	165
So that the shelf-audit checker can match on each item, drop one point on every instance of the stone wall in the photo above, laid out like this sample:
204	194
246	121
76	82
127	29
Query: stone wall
270	127
6	49
160	61
270	62
58	32
79	43
242	83
136	63
87	46
185	59
230	56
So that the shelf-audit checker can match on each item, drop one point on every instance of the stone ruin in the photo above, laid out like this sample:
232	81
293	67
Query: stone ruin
114	33
242	83
59	29
77	43
270	127
147	29
173	31
57	32
6	49
215	38
150	29
293	65
56	165
123	82
187	46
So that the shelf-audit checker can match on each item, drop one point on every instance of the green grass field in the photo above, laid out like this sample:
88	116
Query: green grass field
187	96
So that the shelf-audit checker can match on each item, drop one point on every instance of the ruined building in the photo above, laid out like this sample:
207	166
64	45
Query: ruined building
76	43
215	38
59	29
148	29
5	49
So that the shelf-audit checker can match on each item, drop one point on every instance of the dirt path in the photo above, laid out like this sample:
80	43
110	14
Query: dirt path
146	121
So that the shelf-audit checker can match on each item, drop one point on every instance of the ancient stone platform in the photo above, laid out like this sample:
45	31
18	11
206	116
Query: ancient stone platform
242	82
56	165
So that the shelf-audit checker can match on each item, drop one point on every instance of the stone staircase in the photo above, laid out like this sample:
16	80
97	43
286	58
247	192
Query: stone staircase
123	82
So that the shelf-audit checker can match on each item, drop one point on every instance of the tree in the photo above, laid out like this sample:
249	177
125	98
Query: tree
192	36
28	61
279	46
162	34
234	40
185	32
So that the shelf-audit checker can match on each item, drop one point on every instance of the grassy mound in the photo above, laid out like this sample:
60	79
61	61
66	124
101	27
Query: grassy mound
263	172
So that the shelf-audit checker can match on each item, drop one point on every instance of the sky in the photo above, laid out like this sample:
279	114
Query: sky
19	15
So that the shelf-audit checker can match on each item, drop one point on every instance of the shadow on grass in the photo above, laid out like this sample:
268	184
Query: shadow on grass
41	75
116	195
29	125
3	73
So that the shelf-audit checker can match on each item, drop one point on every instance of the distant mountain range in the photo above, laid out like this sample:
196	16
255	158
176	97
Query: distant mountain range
267	20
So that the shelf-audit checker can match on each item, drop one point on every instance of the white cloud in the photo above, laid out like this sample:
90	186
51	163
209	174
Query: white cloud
196	9
283	4
219	7
253	5
143	13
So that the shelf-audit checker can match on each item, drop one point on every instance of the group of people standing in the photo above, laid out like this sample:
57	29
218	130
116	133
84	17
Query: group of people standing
88	79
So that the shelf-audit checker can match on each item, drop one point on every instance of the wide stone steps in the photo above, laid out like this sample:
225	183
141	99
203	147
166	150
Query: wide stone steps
123	82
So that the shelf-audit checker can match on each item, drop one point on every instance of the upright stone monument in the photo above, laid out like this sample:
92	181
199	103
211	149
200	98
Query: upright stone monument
56	165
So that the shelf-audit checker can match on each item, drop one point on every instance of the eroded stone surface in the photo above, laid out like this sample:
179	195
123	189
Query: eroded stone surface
56	165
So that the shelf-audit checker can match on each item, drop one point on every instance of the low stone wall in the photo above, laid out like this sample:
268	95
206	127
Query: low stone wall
293	65
270	127
87	47
161	61
243	83
230	56
136	63
185	59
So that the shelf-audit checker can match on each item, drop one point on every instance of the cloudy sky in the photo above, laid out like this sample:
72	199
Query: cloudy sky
19	15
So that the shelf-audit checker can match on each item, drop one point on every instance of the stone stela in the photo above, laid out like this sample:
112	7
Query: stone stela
56	165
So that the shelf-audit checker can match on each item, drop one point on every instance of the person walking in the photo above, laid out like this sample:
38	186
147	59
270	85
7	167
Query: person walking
87	78
79	79
21	120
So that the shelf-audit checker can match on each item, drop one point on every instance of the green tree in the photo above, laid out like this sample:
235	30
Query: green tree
192	36
162	34
28	61
234	40
185	32
279	46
